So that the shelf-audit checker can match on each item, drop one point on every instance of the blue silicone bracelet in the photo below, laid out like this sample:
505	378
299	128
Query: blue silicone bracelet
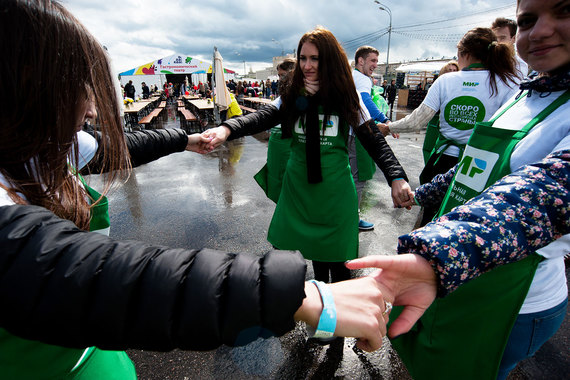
327	321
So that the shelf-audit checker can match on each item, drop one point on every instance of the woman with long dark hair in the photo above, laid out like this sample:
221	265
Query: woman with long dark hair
317	211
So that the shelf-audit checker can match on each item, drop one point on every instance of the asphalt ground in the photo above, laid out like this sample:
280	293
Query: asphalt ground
193	201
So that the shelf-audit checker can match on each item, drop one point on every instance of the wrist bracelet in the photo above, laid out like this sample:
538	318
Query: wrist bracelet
327	321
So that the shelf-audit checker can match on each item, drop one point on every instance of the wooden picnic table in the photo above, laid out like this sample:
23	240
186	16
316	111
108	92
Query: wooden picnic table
256	102
135	111
203	109
190	97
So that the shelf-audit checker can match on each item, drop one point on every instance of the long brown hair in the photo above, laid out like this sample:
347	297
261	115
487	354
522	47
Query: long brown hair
498	58
51	65
336	86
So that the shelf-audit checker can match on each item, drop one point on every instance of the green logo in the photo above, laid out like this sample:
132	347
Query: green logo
463	112
470	167
470	84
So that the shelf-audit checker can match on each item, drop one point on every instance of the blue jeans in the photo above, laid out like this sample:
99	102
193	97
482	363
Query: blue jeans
529	333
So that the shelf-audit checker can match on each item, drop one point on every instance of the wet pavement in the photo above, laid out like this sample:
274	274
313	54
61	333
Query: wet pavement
194	201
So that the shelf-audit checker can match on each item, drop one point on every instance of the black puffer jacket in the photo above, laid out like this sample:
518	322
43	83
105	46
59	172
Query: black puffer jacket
368	134
144	146
72	288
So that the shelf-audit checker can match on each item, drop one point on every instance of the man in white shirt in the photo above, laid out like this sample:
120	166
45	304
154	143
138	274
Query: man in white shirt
365	62
505	30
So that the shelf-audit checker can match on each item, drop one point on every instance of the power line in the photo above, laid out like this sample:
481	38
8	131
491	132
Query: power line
368	40
373	36
432	37
455	18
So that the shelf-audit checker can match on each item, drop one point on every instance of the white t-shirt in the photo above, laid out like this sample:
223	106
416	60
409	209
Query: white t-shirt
362	82
549	286
522	66
464	98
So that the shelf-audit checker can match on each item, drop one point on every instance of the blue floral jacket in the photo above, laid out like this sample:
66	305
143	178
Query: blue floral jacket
519	214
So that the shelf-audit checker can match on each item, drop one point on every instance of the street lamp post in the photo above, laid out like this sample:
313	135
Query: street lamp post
383	7
238	54
280	44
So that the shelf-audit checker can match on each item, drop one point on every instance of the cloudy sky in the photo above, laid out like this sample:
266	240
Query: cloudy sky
253	31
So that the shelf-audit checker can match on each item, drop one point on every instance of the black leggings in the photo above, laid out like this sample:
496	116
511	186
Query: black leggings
338	272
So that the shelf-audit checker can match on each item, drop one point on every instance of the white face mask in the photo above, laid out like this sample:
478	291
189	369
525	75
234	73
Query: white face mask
87	149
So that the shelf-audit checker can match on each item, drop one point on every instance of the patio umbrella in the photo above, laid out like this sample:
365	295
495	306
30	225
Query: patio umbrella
223	98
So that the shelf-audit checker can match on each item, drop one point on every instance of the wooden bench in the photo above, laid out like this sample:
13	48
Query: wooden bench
247	109
188	121
180	103
162	104
148	119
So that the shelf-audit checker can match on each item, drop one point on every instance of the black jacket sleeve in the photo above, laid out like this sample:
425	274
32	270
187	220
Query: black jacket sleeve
250	124
375	144
143	146
72	288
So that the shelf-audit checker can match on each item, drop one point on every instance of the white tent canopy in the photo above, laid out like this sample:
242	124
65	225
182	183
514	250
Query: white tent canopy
417	67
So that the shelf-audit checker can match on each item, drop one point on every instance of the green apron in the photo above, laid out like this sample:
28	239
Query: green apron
321	219
366	165
33	360
430	139
463	335
270	177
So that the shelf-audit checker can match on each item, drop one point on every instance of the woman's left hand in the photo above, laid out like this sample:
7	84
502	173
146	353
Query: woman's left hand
402	195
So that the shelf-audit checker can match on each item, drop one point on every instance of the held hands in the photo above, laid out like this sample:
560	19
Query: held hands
405	280
385	129
359	306
197	143
402	195
214	137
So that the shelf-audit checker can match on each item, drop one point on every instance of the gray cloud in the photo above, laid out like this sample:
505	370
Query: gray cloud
138	32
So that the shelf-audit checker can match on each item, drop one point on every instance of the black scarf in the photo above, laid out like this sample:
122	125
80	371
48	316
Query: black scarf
545	85
313	143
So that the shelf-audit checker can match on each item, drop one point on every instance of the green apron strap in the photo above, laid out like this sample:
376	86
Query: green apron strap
100	220
547	111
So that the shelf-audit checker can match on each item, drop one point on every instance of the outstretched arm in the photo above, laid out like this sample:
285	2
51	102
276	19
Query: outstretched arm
521	213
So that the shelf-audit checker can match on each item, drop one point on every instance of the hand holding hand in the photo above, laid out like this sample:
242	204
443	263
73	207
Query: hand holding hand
385	129
402	195
359	306
408	280
197	143
216	137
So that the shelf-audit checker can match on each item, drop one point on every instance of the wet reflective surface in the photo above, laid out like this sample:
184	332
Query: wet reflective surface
193	201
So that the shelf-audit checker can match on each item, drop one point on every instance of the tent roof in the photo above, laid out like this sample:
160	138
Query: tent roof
174	64
434	66
226	71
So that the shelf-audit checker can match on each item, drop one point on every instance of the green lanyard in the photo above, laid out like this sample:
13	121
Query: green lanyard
472	66
100	221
